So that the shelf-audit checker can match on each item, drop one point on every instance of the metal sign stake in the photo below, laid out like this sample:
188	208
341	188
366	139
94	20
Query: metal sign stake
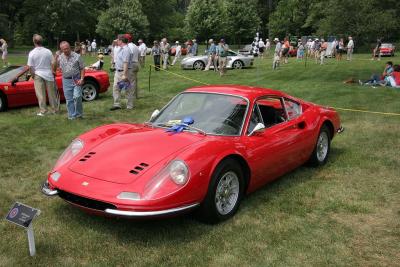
31	241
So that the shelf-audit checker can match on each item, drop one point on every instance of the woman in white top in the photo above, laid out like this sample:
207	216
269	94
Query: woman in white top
3	48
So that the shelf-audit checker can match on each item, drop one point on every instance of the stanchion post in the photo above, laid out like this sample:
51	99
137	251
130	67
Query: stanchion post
149	76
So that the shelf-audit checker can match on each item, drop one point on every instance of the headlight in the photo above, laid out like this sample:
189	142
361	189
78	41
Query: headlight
71	151
170	179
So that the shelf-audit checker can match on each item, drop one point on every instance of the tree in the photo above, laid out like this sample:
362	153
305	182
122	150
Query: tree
123	16
243	19
206	19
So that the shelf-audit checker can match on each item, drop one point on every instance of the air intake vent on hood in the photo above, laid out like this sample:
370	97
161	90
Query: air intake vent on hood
87	156
140	167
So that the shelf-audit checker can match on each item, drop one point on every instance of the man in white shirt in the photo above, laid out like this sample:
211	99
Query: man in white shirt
142	50
94	46
350	48
40	66
134	68
261	47
178	52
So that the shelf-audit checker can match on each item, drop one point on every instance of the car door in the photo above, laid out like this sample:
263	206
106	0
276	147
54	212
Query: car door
22	90
275	150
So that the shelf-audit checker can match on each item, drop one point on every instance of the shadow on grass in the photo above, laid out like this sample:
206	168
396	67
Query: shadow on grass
184	228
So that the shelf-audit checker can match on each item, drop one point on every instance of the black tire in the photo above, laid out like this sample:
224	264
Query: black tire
322	148
212	208
3	102
90	91
237	64
198	65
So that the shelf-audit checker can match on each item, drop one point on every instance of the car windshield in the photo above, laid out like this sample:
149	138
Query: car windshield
214	114
7	74
386	46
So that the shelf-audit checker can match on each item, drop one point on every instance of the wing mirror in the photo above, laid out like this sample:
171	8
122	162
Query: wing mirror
259	128
154	114
13	82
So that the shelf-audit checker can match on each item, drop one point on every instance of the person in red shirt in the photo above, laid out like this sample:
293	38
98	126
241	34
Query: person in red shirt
394	79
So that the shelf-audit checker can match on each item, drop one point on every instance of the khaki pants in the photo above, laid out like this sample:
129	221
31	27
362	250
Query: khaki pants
41	86
222	65
134	81
117	92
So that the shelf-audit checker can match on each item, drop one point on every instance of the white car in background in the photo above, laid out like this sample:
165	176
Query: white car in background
234	61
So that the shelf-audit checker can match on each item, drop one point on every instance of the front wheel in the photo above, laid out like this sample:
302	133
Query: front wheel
322	147
90	91
224	193
3	102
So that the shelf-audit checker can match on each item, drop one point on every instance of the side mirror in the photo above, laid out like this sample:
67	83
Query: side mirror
259	128
14	81
154	114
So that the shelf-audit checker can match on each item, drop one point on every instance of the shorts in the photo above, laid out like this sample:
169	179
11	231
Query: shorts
285	51
261	49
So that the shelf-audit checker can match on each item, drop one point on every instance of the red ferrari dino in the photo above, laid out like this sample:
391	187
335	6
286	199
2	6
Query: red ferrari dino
206	149
17	89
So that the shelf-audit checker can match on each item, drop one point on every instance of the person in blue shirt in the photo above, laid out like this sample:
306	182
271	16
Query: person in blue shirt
381	80
211	52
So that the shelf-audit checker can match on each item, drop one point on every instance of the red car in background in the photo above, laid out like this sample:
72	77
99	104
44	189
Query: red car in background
17	88
387	50
206	149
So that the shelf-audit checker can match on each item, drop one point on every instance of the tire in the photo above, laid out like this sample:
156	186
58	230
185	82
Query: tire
90	91
3	102
224	194
198	65
237	64
322	148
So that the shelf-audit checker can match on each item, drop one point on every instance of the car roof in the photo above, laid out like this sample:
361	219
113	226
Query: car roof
248	92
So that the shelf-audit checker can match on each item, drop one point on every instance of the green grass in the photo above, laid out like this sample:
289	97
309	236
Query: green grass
346	213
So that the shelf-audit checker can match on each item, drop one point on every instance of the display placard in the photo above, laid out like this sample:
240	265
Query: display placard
21	214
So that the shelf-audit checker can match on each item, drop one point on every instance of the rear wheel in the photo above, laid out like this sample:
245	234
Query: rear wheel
322	148
90	91
224	194
237	64
3	102
198	65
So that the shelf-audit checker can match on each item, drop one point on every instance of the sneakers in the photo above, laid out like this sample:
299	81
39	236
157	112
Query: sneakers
41	114
115	108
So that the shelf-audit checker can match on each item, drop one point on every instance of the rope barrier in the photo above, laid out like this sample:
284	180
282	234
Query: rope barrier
343	109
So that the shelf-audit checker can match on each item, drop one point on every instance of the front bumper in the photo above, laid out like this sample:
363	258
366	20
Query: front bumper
99	207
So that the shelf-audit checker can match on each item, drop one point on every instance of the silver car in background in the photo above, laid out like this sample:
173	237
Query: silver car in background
234	61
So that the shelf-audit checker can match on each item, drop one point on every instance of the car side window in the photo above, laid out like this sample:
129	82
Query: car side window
255	118
293	109
271	110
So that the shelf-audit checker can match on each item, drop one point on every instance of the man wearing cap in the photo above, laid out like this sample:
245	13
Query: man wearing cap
98	65
73	73
142	49
134	67
123	64
165	46
277	53
212	52
178	52
222	53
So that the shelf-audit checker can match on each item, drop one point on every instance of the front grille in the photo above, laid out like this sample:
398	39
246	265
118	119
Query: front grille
85	202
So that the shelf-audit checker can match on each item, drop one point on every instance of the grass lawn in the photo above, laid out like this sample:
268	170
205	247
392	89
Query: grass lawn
346	213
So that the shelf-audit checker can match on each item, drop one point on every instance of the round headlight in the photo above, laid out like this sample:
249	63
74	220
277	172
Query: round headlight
76	146
179	172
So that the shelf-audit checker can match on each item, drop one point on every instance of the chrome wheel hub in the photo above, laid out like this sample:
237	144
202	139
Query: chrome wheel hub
88	92
227	193
322	146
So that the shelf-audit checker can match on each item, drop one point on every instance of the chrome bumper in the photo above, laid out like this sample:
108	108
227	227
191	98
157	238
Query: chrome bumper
47	191
340	130
131	214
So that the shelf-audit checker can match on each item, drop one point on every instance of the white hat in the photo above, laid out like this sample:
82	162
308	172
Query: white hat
276	40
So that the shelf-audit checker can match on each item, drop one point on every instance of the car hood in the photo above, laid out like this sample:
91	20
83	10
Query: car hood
130	154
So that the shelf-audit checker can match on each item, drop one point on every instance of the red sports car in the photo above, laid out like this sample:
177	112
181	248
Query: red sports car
206	149
17	89
387	50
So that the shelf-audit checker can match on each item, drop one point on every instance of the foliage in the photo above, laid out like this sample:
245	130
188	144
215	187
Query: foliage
243	22
206	19
122	17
